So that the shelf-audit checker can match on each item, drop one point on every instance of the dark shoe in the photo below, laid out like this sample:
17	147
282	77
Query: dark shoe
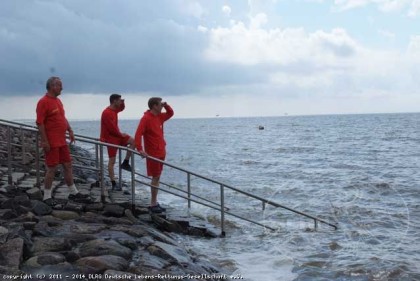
79	197
126	192
95	184
116	188
157	209
50	202
126	166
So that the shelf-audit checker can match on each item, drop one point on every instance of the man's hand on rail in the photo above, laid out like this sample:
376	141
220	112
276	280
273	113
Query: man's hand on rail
71	134
143	154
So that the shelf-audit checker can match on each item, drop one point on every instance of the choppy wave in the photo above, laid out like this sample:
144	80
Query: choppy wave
361	171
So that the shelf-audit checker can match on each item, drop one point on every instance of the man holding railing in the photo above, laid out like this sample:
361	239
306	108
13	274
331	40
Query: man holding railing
53	125
150	130
111	133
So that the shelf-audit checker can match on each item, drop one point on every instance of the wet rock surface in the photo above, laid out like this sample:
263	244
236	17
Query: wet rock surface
95	240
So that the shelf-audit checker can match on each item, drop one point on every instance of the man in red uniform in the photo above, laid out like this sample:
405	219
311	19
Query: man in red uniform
150	130
111	133
53	125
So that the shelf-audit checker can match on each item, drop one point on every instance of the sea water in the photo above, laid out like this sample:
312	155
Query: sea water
361	172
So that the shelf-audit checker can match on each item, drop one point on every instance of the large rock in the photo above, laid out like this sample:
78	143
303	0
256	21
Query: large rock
40	208
28	158
121	237
115	221
94	207
102	263
28	217
17	177
17	230
170	252
134	231
50	244
74	206
166	225
100	247
42	228
23	200
65	215
15	205
26	185
70	230
45	259
157	235
141	230
144	258
112	210
11	253
146	241
129	215
4	232
85	228
34	193
7	214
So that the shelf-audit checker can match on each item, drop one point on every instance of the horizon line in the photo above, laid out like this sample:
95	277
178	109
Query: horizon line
226	117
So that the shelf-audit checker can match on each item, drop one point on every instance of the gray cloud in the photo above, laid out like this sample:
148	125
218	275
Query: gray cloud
106	46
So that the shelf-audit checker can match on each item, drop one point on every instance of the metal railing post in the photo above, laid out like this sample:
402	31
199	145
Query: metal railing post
37	160
316	224
119	168
189	189
101	164
9	156
133	182
22	140
97	161
222	210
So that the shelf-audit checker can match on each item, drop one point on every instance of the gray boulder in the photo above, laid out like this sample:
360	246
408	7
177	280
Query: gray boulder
100	247
102	263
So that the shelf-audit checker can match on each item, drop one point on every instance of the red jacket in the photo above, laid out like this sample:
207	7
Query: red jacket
150	129
50	112
109	125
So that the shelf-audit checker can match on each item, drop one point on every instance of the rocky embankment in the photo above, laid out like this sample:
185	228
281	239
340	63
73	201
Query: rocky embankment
82	241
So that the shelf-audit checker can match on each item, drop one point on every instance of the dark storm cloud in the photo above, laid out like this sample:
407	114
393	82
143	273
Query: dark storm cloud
107	46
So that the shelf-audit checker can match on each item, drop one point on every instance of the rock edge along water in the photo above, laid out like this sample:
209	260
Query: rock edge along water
76	240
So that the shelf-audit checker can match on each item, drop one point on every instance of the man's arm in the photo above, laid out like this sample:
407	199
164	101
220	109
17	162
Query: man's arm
139	137
169	112
40	118
44	140
71	133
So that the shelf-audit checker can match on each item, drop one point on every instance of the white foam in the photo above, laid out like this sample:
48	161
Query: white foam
264	266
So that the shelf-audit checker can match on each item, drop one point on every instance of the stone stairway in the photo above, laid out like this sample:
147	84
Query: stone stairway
24	178
174	220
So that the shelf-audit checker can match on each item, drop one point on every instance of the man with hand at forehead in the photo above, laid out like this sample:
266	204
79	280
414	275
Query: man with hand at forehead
150	131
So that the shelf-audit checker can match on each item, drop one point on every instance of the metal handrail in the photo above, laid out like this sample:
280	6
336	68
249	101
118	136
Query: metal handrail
210	206
183	191
220	207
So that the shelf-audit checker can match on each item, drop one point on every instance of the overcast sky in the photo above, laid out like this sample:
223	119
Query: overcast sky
208	58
